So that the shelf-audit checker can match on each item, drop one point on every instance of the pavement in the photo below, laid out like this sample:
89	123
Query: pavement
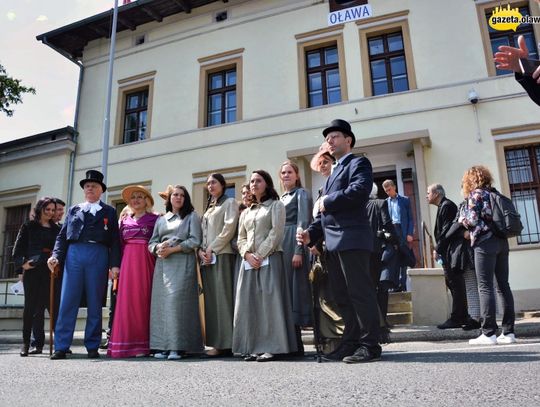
525	328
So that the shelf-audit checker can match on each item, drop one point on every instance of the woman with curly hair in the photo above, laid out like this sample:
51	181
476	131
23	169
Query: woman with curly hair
490	256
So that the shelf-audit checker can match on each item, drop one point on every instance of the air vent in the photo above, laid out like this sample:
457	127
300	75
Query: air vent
140	39
220	16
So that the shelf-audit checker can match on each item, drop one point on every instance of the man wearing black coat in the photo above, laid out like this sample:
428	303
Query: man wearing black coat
446	212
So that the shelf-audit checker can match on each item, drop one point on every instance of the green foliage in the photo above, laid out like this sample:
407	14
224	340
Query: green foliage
11	92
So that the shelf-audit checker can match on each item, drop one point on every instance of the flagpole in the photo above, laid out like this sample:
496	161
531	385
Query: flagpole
106	120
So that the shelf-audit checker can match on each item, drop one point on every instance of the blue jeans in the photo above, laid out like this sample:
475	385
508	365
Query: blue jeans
491	261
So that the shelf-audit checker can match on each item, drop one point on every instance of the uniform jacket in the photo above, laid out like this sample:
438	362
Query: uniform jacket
101	228
345	223
446	213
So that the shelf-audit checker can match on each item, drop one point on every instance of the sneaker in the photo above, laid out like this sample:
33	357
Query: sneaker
161	355
484	340
174	356
506	339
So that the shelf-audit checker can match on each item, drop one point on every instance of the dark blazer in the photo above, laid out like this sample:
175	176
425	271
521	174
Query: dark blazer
380	221
34	242
530	85
406	218
101	228
344	223
446	213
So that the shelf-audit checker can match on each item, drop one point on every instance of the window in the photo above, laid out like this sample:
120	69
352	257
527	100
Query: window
15	217
321	67
221	100
492	39
498	38
387	63
323	76
134	108
523	169
220	88
135	116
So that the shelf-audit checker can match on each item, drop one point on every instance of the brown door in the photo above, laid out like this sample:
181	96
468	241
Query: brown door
15	217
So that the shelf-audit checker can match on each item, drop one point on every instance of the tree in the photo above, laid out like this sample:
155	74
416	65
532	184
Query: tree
11	92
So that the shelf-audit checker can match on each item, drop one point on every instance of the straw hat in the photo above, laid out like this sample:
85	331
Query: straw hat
323	149
130	189
165	194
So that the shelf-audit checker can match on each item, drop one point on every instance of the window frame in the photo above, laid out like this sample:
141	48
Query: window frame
326	37
216	63
514	137
129	86
384	25
222	92
482	9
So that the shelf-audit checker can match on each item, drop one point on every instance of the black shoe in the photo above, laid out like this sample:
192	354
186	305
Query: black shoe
59	354
449	324
105	345
471	324
339	353
24	351
250	358
93	354
36	351
69	352
384	335
363	355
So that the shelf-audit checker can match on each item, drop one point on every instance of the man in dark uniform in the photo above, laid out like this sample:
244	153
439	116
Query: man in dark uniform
343	221
88	245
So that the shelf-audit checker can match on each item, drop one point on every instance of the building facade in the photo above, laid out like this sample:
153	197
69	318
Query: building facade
233	86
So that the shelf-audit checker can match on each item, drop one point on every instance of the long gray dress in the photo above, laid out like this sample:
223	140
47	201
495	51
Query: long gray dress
298	208
219	225
262	317
174	312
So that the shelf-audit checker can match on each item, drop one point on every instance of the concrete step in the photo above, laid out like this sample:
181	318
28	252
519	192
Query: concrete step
399	318
394	298
528	314
400	307
11	318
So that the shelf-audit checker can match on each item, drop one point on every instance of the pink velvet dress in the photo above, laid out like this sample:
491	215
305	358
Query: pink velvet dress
131	323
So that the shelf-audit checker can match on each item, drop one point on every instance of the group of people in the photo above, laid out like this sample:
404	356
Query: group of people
252	261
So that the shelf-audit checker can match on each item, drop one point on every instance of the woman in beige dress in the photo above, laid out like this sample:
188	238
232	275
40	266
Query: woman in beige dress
216	255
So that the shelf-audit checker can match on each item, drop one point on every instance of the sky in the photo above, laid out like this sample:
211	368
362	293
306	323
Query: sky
53	76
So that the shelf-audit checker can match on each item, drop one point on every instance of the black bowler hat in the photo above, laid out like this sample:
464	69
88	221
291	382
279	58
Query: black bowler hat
342	126
93	176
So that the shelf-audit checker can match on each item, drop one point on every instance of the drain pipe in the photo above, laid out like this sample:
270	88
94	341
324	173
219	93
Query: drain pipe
73	154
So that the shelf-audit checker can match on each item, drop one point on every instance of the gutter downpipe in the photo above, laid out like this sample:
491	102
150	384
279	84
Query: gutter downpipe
73	154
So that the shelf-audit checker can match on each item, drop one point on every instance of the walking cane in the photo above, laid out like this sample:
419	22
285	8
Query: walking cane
201	298
54	274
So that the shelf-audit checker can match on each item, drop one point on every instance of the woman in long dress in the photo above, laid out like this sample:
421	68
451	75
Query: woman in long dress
219	224
130	333
298	207
263	322
175	327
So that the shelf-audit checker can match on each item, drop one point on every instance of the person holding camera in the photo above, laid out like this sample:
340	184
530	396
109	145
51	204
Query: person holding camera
32	248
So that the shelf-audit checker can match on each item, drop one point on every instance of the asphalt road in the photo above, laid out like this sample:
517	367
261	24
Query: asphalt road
410	374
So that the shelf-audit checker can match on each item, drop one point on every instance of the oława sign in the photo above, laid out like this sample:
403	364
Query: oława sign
343	11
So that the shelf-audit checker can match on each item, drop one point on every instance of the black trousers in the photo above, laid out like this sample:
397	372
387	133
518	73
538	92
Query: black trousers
491	261
37	326
354	293
456	284
36	298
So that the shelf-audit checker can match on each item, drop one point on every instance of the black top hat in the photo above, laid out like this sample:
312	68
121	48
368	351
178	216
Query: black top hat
93	176
342	126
